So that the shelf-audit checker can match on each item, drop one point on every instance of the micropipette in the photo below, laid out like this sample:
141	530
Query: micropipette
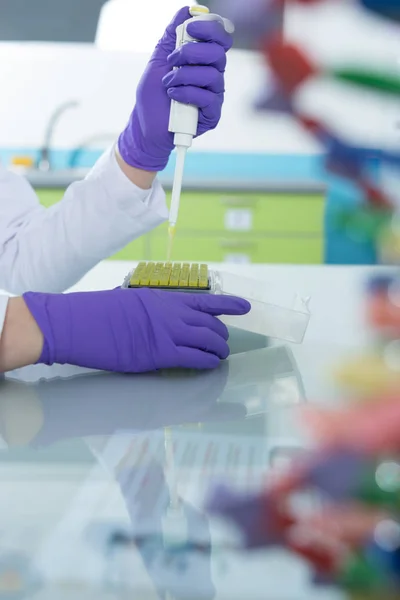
184	118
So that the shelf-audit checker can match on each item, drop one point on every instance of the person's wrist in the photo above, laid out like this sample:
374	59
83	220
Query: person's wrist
141	178
22	340
51	313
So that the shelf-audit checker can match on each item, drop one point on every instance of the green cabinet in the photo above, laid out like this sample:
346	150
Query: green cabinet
242	227
285	213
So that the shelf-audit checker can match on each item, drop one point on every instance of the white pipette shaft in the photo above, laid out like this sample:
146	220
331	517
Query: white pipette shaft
177	186
184	118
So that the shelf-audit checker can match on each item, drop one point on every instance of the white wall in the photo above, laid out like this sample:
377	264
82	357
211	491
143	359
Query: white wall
40	77
35	79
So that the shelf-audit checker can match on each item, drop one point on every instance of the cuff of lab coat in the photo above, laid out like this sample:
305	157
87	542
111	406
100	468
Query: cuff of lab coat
128	196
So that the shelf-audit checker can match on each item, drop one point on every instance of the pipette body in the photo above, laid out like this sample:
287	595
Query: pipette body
184	118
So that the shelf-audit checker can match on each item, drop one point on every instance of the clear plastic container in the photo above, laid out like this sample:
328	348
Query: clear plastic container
273	313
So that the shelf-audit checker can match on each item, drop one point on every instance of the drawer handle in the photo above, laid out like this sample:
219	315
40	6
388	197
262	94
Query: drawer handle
241	202
236	244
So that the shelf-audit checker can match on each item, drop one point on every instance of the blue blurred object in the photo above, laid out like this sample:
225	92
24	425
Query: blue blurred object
380	283
385	560
391	158
341	248
338	475
385	8
348	160
360	156
275	101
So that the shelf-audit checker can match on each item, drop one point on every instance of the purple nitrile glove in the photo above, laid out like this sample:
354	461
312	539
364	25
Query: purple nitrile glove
146	142
133	331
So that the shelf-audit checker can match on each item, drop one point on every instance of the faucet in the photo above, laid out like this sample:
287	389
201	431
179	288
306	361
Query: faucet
44	159
100	137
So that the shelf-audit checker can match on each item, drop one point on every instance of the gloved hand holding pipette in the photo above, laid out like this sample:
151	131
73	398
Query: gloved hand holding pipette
146	143
185	116
180	95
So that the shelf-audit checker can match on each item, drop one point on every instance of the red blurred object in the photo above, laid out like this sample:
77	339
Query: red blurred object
375	196
307	2
295	479
325	557
371	428
290	65
382	313
351	524
303	2
311	125
277	520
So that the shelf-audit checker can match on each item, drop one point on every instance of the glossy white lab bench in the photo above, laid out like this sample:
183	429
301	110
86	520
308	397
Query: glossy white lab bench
336	294
85	473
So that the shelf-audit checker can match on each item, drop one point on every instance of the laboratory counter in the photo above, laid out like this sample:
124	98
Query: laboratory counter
105	476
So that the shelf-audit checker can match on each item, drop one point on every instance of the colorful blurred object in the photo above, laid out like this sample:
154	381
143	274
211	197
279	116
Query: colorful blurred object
368	375
292	68
355	542
390	244
352	541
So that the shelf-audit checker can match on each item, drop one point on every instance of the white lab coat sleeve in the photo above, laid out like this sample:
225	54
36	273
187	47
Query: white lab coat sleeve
49	250
3	308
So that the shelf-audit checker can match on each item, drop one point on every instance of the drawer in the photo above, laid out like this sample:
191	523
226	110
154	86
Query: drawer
293	250
275	213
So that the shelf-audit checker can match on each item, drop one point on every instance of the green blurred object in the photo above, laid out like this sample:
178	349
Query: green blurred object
358	575
218	226
371	494
364	222
387	83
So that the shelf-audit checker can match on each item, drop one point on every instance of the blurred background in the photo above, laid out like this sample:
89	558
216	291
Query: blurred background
256	190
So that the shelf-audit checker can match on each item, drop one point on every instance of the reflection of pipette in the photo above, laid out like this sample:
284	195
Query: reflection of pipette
170	469
184	118
174	521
